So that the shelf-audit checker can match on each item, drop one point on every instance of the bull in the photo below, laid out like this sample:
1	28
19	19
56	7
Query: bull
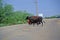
34	19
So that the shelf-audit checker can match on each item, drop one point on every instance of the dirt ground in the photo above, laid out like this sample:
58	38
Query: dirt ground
49	31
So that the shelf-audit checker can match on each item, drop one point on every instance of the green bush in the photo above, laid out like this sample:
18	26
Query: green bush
9	17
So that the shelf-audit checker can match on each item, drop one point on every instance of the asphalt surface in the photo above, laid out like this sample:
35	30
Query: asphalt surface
49	31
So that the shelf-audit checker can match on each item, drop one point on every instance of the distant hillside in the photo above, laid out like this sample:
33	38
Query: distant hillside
53	17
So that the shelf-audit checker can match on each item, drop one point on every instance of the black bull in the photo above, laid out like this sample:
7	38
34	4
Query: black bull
34	19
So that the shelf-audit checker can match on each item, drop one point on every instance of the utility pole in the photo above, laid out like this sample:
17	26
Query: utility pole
36	2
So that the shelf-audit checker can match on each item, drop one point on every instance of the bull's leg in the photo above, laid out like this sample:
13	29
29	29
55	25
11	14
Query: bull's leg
33	24
30	23
38	23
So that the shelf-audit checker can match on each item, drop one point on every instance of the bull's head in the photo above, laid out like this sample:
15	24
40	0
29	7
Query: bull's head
27	17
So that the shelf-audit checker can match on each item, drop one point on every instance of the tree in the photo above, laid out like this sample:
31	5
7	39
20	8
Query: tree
1	8
7	13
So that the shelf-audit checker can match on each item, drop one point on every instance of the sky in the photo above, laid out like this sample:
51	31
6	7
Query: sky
45	7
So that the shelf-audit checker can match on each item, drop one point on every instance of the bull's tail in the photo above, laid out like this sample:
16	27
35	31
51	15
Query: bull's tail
42	23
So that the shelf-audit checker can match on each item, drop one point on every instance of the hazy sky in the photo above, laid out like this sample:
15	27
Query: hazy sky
47	7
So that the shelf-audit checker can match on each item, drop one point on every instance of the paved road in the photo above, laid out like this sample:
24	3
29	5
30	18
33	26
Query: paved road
50	31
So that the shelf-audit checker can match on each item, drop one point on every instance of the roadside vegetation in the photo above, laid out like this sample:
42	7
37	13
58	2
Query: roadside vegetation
10	17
